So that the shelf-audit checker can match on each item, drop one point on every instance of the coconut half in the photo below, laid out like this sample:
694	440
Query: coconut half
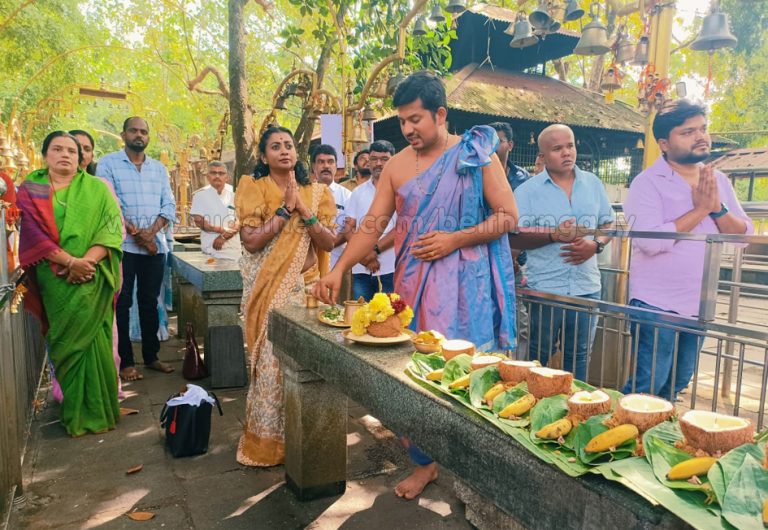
713	432
586	404
545	382
454	347
481	361
516	371
643	411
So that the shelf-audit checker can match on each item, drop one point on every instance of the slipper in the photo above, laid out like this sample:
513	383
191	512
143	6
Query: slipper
131	374
125	411
159	366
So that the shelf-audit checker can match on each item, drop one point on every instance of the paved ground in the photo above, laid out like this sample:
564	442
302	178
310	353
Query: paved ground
81	483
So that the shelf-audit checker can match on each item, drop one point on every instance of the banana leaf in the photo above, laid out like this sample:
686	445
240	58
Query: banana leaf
663	457
425	364
480	382
637	475
743	504
457	367
723	472
591	428
546	411
508	397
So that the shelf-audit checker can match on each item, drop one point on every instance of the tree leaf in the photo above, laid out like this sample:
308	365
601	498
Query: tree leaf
743	504
546	411
457	367
426	363
591	428
480	382
723	472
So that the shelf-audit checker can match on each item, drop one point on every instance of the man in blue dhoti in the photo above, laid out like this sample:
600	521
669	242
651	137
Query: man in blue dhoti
454	208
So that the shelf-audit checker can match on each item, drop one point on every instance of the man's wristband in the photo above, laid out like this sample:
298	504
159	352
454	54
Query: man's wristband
309	222
722	212
376	249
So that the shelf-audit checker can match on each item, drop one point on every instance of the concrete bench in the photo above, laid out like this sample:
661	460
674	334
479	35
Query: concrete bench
496	475
209	297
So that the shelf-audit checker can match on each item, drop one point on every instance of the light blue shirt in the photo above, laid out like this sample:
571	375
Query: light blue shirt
542	203
143	196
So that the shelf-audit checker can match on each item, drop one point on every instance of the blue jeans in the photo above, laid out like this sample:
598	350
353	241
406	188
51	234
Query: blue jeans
575	330
688	347
367	285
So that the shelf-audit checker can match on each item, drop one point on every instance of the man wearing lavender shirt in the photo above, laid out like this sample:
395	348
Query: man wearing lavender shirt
676	194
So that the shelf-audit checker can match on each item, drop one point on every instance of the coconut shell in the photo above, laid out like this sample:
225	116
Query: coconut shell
601	404
454	347
697	435
545	382
391	327
481	361
642	419
515	371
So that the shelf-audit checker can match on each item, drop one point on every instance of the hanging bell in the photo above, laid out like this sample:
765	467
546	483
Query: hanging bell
369	114
573	11
280	103
456	6
393	82
641	51
523	37
420	28
381	90
359	136
611	79
554	27
714	34
625	51
540	18
594	37
436	15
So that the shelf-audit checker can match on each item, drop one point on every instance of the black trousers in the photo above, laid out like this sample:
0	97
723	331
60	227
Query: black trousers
147	273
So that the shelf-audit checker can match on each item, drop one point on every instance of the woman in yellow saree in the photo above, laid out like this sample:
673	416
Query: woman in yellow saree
287	227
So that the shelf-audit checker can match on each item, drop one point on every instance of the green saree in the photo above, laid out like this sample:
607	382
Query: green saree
79	316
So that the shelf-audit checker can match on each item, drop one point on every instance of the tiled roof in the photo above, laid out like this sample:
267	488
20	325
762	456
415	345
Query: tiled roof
743	160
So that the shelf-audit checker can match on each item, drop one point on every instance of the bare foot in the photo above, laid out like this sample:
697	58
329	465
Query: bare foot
412	486
159	366
130	374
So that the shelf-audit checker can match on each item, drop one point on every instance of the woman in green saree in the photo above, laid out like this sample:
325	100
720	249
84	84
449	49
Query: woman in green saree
70	245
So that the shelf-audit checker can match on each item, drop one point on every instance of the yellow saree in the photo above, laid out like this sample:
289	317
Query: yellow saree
272	278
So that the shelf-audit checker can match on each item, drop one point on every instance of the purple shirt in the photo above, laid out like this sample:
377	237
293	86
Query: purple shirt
667	273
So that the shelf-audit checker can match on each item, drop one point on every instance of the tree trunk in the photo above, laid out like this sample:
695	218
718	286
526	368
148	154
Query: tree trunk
305	127
596	73
243	134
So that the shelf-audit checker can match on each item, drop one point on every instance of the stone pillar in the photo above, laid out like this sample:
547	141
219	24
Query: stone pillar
315	433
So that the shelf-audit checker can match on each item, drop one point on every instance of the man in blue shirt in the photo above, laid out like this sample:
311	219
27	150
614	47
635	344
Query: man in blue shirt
143	189
562	199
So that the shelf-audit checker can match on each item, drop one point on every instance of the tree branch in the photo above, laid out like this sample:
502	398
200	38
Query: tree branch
14	13
223	89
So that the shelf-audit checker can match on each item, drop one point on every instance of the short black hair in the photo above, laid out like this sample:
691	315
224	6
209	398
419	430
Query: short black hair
360	153
502	126
323	149
422	85
65	134
674	114
127	120
382	146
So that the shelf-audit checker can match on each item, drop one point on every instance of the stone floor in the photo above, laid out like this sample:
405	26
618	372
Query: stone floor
82	483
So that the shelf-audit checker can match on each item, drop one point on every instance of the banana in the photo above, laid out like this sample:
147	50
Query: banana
518	407
461	382
611	438
435	375
494	391
691	467
555	430
765	513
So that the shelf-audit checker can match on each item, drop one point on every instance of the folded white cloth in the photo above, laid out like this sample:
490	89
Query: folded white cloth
193	396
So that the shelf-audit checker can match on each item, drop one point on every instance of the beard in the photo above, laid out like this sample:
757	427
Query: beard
364	172
692	158
137	146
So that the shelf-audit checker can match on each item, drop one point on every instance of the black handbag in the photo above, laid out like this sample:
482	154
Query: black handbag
188	427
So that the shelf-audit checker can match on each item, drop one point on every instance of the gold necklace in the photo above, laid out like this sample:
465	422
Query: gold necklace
439	176
53	192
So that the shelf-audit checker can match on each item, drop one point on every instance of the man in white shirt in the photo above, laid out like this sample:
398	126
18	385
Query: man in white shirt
323	162
213	212
377	270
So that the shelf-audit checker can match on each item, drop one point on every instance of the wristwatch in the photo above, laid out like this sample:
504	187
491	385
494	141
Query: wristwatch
722	212
600	246
376	249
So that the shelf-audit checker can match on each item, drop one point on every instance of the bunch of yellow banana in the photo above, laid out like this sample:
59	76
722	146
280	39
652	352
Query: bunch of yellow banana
691	467
518	407
611	438
555	430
